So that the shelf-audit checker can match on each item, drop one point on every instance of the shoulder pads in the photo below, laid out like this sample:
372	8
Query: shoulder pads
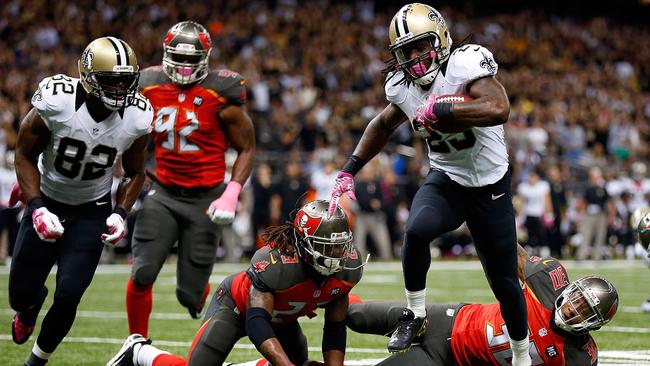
55	98
228	84
271	271
395	87
470	62
139	115
152	76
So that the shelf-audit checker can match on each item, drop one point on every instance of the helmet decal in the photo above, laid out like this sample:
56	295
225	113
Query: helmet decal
87	58
306	224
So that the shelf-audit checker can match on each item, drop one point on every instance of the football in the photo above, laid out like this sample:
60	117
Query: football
454	98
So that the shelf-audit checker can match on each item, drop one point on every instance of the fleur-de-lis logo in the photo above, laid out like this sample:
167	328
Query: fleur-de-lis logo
488	63
87	58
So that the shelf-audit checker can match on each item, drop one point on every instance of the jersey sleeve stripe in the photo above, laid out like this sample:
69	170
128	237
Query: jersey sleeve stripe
216	95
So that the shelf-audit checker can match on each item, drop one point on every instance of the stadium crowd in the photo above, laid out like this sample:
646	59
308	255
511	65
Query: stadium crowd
579	121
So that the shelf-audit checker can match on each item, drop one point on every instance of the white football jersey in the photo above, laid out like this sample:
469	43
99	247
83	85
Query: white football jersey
77	165
476	157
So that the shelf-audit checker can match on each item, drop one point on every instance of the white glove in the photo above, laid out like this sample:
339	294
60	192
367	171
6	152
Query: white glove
47	225
115	225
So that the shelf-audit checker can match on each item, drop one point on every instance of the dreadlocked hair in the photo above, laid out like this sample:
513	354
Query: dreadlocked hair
281	237
391	66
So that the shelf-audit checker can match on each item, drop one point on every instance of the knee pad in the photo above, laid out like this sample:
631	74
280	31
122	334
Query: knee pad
189	299
145	275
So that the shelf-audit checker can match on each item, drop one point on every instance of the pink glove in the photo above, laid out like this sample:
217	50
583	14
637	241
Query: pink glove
47	225
116	231
344	183
15	195
222	210
425	111
425	118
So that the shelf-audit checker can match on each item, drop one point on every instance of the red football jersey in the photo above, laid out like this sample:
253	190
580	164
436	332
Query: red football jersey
295	294
480	335
189	139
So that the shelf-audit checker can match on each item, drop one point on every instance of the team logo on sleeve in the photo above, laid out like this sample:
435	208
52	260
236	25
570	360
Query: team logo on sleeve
488	63
261	266
335	291
592	350
559	278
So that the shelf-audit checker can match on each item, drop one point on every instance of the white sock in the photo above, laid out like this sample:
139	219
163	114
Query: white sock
415	300
40	353
145	354
520	356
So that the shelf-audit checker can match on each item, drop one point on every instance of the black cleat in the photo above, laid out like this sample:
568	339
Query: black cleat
408	329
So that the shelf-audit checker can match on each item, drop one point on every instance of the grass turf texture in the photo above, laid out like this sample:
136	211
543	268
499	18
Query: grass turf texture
101	324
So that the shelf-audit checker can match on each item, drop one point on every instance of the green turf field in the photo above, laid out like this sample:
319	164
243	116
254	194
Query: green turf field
101	326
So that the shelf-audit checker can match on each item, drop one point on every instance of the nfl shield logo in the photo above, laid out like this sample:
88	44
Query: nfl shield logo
181	97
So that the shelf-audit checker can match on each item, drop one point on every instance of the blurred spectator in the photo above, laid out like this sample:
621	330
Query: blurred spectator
559	206
579	86
536	205
289	191
371	219
596	207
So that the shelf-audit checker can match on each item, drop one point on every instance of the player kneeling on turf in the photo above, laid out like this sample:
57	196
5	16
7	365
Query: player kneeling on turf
308	264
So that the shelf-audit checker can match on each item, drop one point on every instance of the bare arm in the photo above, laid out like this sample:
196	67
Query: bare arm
335	315
133	162
490	107
378	132
33	137
271	348
239	131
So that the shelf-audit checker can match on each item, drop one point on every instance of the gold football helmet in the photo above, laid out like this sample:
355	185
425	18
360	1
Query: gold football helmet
109	70
420	42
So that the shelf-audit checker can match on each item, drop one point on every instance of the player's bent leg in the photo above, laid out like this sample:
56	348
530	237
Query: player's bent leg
80	250
154	235
492	224
216	338
437	208
196	256
32	261
376	317
414	356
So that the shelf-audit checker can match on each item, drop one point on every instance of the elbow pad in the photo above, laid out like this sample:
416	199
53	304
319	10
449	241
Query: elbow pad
334	336
258	326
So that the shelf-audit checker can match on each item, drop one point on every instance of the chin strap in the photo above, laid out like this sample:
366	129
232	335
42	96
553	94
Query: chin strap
359	266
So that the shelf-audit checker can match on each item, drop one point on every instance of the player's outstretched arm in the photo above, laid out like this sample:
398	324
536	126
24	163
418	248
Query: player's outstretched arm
490	106
374	139
334	332
258	327
377	133
133	162
33	137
